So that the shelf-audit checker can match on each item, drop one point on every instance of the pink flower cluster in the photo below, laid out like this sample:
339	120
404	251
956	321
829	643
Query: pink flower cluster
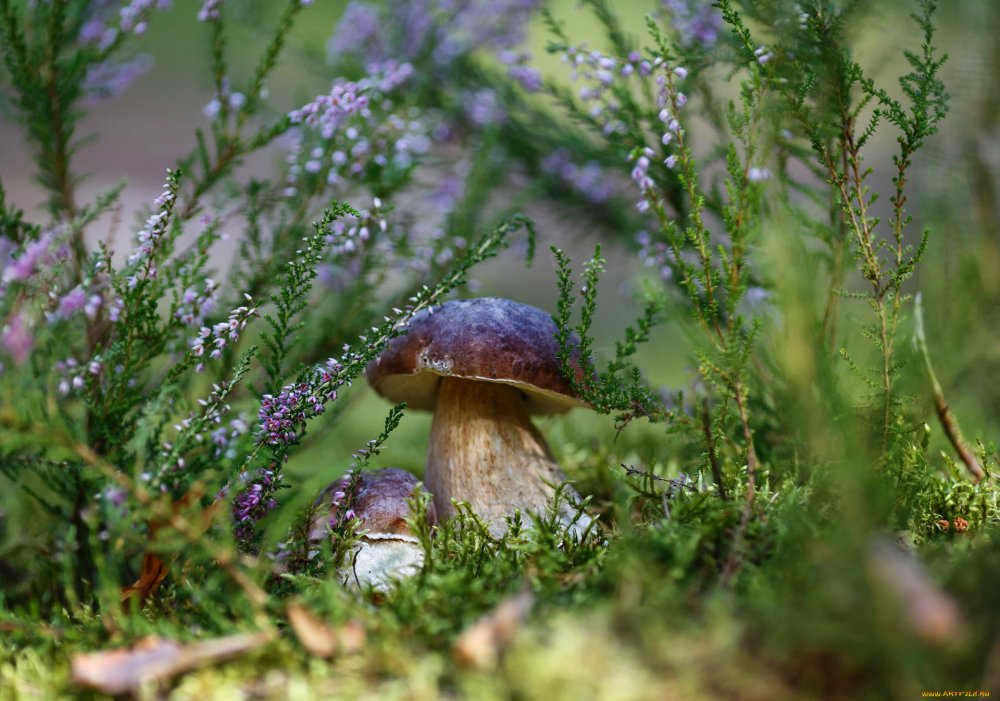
217	337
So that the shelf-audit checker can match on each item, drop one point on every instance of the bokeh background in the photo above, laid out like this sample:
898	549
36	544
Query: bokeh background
954	191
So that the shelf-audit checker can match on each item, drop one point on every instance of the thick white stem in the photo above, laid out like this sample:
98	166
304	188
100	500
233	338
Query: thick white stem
485	450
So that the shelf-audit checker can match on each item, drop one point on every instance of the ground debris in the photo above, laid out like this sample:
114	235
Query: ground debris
321	639
927	610
481	644
153	659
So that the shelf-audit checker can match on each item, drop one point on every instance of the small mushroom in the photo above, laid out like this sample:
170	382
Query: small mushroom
483	366
386	549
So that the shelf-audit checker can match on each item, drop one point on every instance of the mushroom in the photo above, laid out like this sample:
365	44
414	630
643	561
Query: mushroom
484	366
386	549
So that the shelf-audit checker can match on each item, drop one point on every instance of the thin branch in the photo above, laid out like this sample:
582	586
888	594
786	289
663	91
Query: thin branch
948	421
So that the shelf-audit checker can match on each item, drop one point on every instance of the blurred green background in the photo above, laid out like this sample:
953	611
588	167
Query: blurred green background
954	192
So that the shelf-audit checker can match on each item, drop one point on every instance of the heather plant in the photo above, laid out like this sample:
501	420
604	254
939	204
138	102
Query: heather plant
799	516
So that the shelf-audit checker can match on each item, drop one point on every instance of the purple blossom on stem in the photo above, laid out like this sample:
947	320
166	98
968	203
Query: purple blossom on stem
656	254
351	234
195	306
70	375
254	502
226	98
36	254
348	98
345	133
134	16
590	180
642	179
341	497
141	260
406	29
217	337
529	78
72	302
95	31
359	31
73	375
282	419
223	436
697	22
598	73
210	10
484	108
669	101
762	54
114	498
107	80
16	338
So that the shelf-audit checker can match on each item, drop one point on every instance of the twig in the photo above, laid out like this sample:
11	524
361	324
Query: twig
945	416
713	459
733	561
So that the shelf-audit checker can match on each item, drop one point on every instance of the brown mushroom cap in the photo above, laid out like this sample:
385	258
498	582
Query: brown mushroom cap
379	501
490	339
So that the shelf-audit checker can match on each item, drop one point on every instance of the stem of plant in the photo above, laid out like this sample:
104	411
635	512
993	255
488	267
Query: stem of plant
944	414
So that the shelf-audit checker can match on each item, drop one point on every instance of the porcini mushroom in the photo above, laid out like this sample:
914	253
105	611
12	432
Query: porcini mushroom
483	366
386	549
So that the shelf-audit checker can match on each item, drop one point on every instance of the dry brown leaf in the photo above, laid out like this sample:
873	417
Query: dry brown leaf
154	570
315	636
927	610
321	639
154	659
481	644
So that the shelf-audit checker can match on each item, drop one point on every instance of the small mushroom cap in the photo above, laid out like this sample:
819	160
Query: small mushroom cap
379	501
489	339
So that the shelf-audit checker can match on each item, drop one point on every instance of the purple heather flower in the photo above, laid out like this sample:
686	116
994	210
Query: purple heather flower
212	109
253	502
115	498
116	308
485	108
132	17
755	296
359	31
656	255
223	333
210	10
36	254
696	21
282	419
756	174
405	29
108	80
147	238
195	305
529	78
590	180
355	128
95	31
70	303
16	338
92	306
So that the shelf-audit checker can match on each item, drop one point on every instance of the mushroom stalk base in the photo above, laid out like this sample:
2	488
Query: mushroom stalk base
485	450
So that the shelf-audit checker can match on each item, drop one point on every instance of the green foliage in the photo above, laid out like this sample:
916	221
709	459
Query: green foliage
293	296
800	517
